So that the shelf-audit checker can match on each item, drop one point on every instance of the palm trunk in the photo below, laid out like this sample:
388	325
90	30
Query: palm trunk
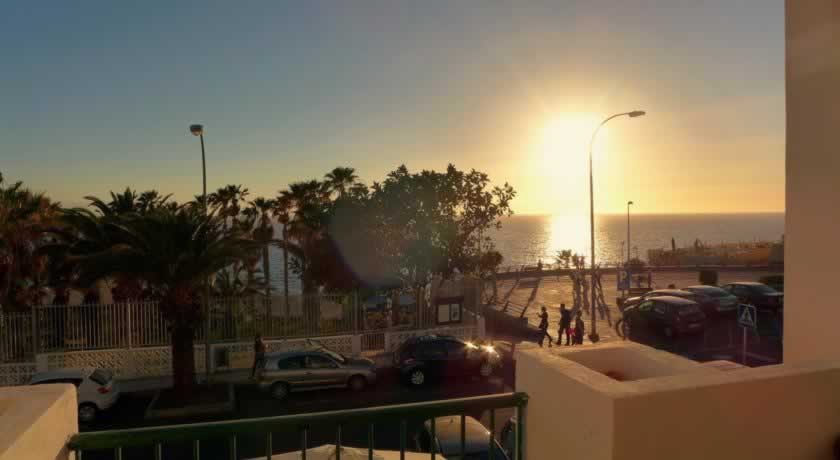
267	271
183	360
286	271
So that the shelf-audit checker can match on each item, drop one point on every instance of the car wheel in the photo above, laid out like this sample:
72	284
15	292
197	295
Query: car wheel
357	383
417	377
486	369
280	391
88	413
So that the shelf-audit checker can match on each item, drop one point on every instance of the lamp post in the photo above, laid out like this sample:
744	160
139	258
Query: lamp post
628	231
198	130
593	335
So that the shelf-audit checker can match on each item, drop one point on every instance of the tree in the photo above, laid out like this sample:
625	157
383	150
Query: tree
24	216
264	233
227	202
173	252
341	179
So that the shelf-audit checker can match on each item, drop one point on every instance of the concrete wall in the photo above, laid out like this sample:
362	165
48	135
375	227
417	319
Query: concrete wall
812	221
37	422
671	407
769	413
564	418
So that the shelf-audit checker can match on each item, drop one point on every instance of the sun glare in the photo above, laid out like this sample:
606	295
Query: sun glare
560	159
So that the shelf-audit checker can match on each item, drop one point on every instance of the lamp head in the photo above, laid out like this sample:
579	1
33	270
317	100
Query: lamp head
629	203
636	113
197	130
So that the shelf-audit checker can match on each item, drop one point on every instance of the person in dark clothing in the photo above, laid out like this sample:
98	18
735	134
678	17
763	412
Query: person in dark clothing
544	327
579	329
259	353
565	325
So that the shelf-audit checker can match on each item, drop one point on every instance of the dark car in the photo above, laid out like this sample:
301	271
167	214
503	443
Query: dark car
707	303
762	296
436	357
447	439
723	302
667	315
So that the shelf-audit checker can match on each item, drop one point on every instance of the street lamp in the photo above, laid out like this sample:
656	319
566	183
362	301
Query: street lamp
628	231
198	130
593	336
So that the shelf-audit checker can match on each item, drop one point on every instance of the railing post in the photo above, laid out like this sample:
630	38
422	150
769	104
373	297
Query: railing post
130	330
36	341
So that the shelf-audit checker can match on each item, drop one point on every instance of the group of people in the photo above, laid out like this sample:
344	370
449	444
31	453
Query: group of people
573	335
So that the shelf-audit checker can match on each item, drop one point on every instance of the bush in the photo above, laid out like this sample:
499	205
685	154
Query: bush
709	277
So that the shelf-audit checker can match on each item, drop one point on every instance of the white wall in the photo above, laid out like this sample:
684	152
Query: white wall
37	421
812	223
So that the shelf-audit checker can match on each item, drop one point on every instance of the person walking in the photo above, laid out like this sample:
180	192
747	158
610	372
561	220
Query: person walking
259	353
565	325
544	327
579	326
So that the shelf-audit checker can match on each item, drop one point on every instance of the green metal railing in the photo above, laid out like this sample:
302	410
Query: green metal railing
119	442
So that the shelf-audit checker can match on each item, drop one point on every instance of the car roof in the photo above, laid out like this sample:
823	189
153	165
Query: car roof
59	374
294	353
671	300
705	287
672	292
448	433
432	338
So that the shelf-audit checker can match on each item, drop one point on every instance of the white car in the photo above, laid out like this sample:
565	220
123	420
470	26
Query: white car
96	391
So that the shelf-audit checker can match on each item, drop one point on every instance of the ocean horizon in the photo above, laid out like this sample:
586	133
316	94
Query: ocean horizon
527	239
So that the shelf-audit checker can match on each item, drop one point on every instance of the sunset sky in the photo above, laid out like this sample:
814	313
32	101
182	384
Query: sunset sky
99	95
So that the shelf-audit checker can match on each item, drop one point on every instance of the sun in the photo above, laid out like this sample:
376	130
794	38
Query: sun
559	160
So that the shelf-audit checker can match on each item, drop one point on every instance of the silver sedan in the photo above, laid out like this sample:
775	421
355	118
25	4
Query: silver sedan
285	372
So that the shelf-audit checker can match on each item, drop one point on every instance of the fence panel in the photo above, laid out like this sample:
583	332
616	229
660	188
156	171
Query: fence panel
16	342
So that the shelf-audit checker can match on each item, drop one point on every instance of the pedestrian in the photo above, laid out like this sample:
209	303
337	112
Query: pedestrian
579	326
259	353
544	327
565	325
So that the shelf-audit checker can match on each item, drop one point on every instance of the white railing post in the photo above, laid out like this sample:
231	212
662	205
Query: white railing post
130	331
35	339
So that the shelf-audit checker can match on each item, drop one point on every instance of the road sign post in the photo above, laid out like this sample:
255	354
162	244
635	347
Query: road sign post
747	319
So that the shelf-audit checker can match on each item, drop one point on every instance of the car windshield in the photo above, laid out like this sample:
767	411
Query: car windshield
101	376
715	292
764	289
335	355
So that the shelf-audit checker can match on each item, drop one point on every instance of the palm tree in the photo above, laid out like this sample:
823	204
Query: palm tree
264	233
227	201
307	212
24	216
282	211
173	252
341	179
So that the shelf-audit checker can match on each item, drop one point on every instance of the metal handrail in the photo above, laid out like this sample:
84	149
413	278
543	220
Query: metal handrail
157	436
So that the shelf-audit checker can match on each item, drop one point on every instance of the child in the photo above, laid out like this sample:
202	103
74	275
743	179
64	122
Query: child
579	329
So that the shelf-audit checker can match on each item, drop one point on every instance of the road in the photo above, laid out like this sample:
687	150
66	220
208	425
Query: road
251	403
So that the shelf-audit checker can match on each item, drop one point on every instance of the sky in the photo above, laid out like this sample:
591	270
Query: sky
99	95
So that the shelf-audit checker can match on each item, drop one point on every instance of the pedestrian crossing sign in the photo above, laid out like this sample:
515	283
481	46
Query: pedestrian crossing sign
747	316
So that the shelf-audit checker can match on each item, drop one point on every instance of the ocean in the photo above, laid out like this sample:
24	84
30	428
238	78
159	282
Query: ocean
524	240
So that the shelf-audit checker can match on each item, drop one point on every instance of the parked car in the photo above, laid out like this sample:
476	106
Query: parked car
707	303
436	357
762	296
723	302
668	315
95	391
447	439
319	368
